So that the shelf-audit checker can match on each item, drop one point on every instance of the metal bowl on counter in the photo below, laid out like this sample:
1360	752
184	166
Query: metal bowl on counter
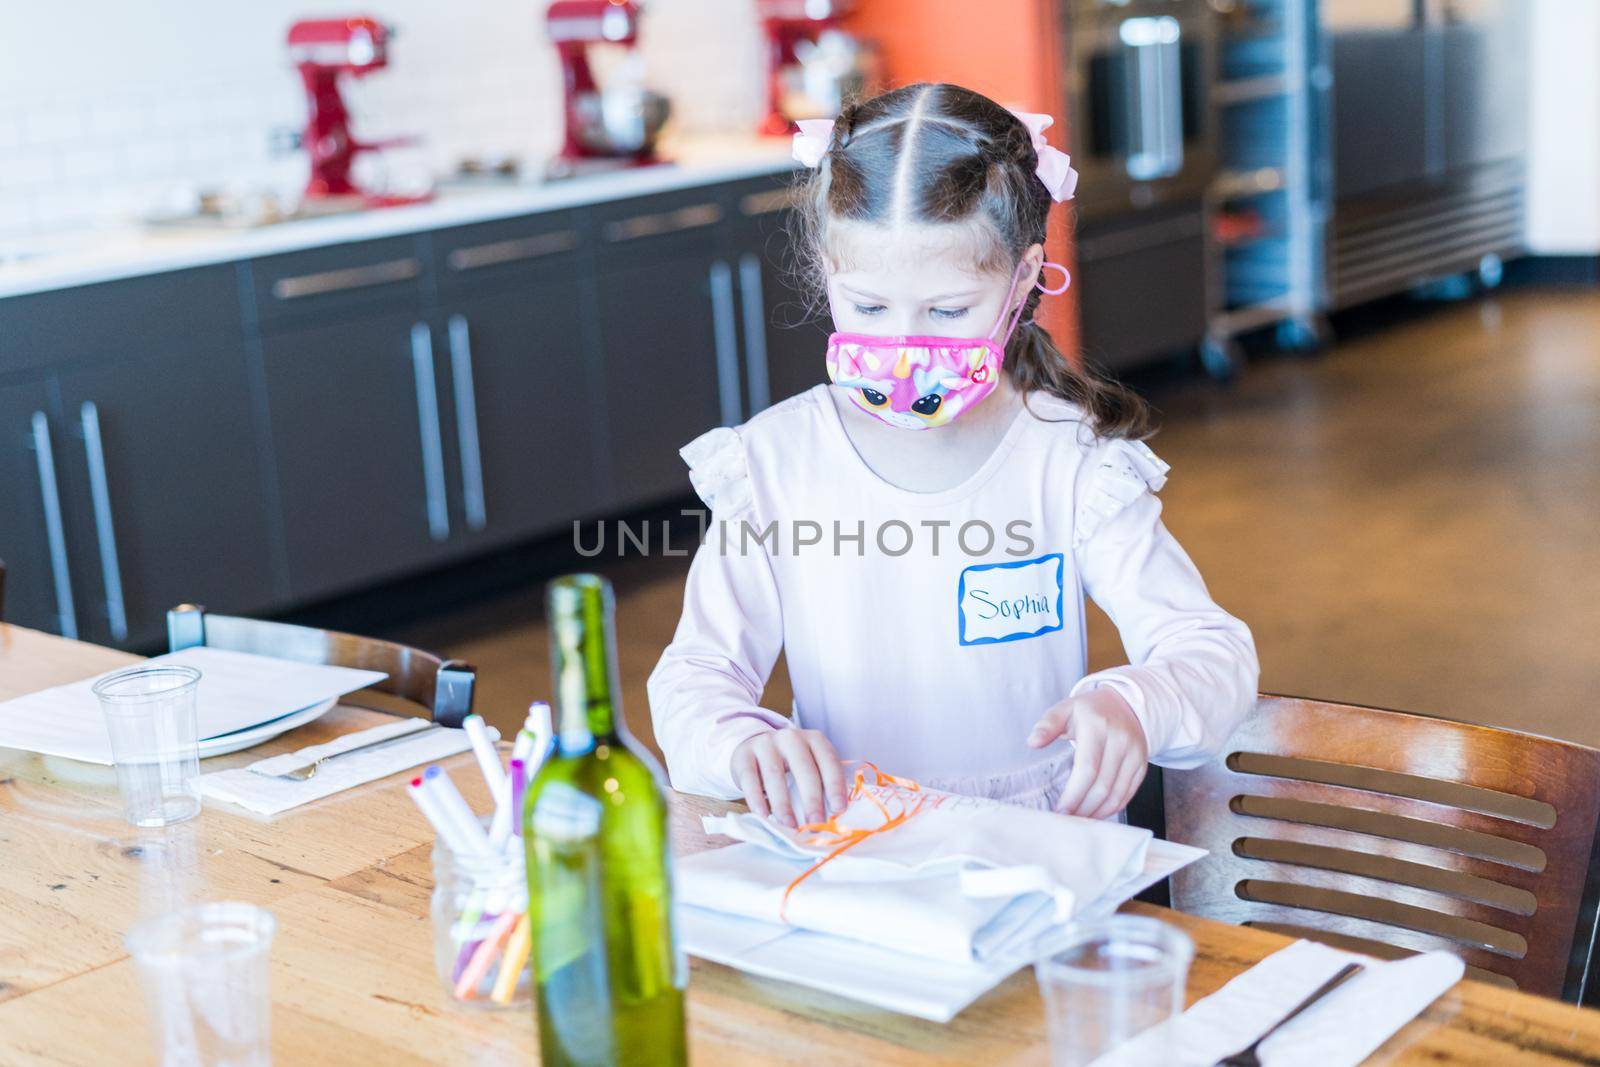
620	121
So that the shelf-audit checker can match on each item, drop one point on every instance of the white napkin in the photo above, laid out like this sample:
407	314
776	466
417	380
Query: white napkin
927	917
1341	1030
987	848
935	990
249	789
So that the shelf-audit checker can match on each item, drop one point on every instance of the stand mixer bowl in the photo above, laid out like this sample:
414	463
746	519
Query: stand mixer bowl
619	122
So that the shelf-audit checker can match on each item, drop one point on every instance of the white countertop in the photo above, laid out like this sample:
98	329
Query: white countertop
107	254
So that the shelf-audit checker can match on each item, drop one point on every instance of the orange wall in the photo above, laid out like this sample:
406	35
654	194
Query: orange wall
1005	49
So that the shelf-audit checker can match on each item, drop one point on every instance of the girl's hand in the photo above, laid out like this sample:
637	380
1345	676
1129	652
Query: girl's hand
762	764
1112	752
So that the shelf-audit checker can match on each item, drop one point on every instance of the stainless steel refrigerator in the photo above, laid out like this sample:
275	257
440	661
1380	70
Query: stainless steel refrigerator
1428	141
1144	139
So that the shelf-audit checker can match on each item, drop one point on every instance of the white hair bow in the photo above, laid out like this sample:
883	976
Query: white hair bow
1055	166
811	143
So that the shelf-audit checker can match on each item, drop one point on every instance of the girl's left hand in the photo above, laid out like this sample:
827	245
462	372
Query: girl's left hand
1112	752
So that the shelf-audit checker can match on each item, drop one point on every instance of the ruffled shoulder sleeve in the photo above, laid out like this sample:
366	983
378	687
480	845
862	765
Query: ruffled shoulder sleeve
1115	474
718	470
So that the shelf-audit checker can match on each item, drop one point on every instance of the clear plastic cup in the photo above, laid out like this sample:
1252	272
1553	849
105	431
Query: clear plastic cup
205	976
1107	981
151	716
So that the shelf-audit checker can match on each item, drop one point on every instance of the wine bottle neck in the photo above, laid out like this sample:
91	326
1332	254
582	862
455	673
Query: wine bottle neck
583	662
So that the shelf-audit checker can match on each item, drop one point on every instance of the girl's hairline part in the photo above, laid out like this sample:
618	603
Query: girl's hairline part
902	171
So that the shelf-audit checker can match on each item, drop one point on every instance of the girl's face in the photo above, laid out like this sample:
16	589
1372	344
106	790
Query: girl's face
918	280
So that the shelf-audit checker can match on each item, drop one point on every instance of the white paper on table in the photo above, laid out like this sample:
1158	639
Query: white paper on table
237	690
884	978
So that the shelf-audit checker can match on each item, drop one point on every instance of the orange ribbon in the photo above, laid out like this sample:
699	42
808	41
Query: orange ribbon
829	832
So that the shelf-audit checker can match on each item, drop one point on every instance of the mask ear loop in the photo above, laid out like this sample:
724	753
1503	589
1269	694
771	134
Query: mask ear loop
1013	315
1066	279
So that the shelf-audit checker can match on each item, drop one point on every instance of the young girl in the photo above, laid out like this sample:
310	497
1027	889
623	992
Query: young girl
927	587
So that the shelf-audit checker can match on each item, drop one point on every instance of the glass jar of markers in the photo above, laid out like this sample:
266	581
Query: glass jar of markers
480	927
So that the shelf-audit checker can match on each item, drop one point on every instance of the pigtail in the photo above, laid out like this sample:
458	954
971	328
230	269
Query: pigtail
1035	364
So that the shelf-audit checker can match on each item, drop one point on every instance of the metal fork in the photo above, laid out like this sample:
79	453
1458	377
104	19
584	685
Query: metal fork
1247	1057
306	773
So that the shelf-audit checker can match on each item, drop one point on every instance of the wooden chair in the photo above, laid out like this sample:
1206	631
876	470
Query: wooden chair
1387	833
442	688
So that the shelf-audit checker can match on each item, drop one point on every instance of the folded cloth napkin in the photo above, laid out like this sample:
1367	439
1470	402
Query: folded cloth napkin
922	872
249	788
991	849
928	917
1341	1030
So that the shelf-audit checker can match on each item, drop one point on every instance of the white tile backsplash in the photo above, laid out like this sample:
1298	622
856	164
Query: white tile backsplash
159	96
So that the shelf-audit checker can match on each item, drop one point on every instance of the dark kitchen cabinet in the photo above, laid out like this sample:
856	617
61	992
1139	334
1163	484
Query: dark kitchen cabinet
262	434
137	485
357	438
39	590
668	334
514	326
161	447
525	420
783	338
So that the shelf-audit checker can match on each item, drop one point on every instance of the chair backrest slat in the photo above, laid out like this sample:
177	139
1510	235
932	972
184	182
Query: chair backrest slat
1367	827
442	689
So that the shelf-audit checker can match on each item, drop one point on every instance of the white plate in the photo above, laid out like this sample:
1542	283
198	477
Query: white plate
266	731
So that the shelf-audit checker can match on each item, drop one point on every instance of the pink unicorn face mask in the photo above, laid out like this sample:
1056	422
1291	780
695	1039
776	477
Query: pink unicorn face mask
920	382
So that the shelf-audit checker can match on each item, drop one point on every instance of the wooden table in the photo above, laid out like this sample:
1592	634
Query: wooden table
349	880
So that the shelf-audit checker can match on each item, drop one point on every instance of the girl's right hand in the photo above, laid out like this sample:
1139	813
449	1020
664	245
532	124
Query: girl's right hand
762	766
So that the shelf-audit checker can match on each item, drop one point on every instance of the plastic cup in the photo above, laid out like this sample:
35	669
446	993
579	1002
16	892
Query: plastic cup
153	722
1107	981
205	976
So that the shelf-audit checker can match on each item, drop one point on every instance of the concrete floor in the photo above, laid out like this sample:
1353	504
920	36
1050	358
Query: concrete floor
1411	519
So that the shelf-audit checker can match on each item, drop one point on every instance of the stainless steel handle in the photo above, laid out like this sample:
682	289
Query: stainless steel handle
767	202
432	439
498	252
335	281
1156	89
104	529
722	327
54	531
755	332
467	422
684	218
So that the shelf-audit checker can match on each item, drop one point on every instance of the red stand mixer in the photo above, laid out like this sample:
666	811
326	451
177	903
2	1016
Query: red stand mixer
324	49
610	126
813	65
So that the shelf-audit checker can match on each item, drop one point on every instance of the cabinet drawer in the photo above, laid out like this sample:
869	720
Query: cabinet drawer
763	202
115	319
470	259
688	222
339	280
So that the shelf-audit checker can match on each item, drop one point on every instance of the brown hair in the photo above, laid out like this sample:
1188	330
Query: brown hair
931	153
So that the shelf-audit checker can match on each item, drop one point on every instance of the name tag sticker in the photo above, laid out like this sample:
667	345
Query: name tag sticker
1010	601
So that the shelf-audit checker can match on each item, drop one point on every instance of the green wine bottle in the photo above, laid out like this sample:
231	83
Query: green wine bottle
608	975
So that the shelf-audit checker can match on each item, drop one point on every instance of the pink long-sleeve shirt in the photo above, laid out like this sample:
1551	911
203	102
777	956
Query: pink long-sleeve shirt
927	632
